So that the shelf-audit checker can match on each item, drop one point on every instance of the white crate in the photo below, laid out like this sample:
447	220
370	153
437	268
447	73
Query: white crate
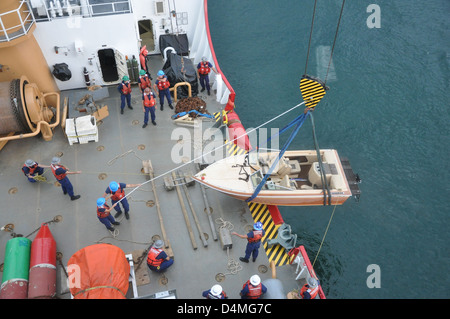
82	130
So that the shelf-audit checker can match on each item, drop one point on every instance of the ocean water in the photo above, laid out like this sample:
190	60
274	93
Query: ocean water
387	110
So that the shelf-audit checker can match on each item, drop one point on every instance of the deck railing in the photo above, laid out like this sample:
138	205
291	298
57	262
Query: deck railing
48	10
22	20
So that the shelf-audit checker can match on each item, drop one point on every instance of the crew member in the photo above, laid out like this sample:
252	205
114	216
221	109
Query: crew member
161	86
253	288
60	172
31	168
103	214
310	289
117	194
124	89
143	53
203	70
148	105
144	81
254	241
157	259
216	292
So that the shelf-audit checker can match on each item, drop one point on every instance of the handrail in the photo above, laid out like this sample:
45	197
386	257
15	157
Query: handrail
27	20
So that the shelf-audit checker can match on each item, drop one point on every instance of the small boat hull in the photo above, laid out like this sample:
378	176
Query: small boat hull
282	200
299	185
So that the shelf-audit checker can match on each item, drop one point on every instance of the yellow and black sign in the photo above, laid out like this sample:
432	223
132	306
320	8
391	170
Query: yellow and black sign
312	91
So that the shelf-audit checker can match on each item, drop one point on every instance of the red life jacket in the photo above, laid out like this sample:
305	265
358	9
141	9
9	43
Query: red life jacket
126	88
204	68
102	214
149	102
313	292
151	258
257	235
118	195
31	168
60	176
253	292
162	85
144	81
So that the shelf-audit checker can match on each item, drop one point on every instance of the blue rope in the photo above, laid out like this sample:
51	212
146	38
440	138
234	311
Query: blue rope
299	121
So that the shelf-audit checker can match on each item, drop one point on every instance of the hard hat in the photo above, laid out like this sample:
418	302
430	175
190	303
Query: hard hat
101	201
114	186
312	282
125	78
160	73
56	160
141	72
258	226
29	162
147	90
255	280
204	59
216	290
158	244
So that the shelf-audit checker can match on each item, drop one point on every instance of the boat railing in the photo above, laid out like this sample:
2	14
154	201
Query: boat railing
16	23
54	9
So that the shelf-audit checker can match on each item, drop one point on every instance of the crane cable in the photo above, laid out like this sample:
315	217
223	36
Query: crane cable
324	85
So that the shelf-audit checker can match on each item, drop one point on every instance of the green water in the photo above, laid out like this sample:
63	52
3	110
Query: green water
387	110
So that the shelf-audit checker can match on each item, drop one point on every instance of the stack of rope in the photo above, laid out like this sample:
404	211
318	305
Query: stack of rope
189	104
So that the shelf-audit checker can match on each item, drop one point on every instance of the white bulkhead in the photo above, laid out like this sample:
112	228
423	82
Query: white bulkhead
98	35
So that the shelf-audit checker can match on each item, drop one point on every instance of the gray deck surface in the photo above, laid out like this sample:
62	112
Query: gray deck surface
32	204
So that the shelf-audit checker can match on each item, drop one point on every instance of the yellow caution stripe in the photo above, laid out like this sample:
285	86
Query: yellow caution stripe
276	253
233	149
217	116
312	91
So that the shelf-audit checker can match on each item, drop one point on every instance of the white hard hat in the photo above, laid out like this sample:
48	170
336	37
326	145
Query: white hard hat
255	280
56	160
158	244
29	162
216	290
312	282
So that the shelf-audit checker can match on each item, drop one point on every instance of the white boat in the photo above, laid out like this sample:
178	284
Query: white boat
295	179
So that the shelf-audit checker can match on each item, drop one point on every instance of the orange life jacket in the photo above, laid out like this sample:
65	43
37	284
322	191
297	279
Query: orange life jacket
313	292
144	81
204	68
151	258
149	102
31	168
257	235
54	168
102	213
162	85
253	292
126	88
118	195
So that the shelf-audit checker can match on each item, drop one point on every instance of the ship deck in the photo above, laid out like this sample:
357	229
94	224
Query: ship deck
118	155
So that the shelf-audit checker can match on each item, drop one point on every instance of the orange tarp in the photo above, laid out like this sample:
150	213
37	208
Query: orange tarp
99	271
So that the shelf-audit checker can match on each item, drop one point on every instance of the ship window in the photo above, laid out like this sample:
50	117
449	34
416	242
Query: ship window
108	65
159	7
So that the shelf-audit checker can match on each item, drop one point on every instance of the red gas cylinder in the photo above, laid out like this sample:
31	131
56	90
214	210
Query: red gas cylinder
42	281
